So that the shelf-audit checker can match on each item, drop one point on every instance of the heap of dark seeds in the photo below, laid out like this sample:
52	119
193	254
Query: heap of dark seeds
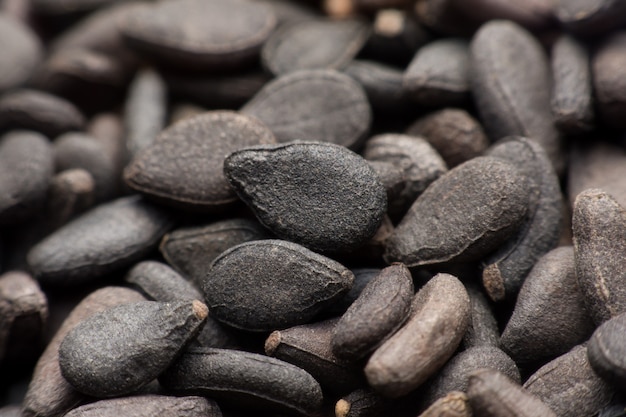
349	208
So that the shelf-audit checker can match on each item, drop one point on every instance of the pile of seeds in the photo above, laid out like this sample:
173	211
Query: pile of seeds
349	208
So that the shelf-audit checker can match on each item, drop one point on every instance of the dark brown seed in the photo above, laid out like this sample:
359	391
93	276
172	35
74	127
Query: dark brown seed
218	35
454	376
362	276
104	239
550	315
21	53
159	282
145	110
149	406
492	394
606	350
308	346
49	394
591	17
438	75
610	89
246	380
82	151
191	250
454	133
572	104
380	310
202	142
511	86
319	105
505	270
26	167
419	162
24	312
483	328
117	351
454	404
39	111
360	403
222	91
441	313
599	165
272	284
314	44
382	84
599	228
486	199
569	386
320	195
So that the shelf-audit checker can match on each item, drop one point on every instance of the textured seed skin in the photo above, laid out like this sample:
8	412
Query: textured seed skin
202	142
296	107
572	104
550	316
569	386
309	347
492	394
148	406
511	85
320	195
108	237
314	44
381	309
454	133
22	53
483	328
440	317
362	276
417	160
49	394
161	283
245	379
26	167
438	75
454	376
609	89
191	250
221	34
606	350
486	201
39	111
118	351
454	404
506	269
599	232
272	284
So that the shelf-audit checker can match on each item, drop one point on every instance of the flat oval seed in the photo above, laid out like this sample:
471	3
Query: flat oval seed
314	44
122	349
106	238
486	199
569	385
30	155
380	310
599	232
202	142
441	313
606	350
320	195
550	316
320	105
200	34
272	284
149	406
514	99
21	53
246	380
